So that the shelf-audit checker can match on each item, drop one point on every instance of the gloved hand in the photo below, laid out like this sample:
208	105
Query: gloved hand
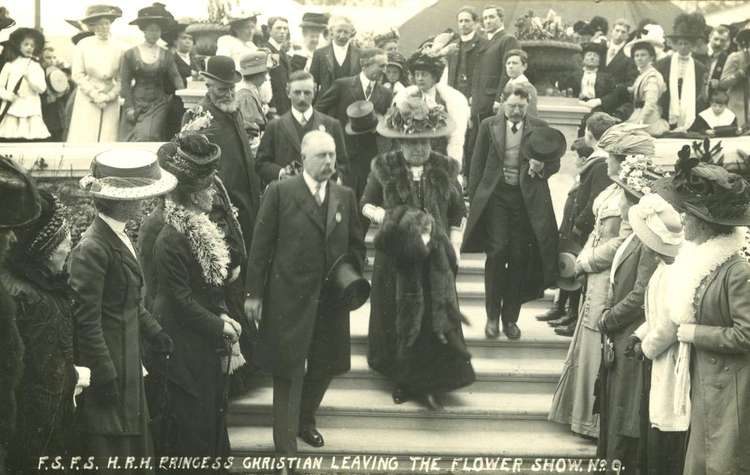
633	348
106	394
163	343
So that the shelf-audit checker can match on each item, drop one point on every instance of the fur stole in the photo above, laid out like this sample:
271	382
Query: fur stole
401	239
205	238
439	178
691	267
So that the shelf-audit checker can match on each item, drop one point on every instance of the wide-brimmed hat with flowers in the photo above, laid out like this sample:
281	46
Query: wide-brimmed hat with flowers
637	176
127	175
411	118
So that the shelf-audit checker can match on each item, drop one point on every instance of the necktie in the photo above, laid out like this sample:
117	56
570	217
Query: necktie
316	194
368	91
514	127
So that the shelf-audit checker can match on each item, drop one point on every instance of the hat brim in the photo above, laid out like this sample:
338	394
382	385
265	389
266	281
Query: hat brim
628	190
254	70
387	132
57	80
308	24
648	237
164	22
357	289
569	283
398	65
350	131
556	154
628	48
92	18
566	261
742	220
101	188
237	77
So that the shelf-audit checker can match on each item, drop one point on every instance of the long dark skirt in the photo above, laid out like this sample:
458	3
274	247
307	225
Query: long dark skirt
428	366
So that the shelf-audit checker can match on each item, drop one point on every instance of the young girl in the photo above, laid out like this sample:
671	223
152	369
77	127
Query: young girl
395	76
22	81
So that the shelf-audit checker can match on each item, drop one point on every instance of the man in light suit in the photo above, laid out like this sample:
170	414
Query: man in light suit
339	59
511	217
362	87
279	150
304	341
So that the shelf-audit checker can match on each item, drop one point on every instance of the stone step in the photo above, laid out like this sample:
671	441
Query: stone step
516	376
347	408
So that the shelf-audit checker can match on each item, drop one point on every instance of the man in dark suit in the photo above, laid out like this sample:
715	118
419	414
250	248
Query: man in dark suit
718	45
511	217
489	76
226	129
620	67
110	317
363	87
279	150
463	59
305	224
339	59
278	29
590	83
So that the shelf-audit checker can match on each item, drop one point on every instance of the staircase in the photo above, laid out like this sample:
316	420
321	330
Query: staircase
503	414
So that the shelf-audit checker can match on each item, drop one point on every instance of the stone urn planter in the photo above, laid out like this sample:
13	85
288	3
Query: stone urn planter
549	61
205	36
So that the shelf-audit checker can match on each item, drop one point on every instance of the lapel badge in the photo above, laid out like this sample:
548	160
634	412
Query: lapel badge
338	217
322	128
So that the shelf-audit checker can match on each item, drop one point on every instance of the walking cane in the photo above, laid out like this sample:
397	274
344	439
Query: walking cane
224	401
101	120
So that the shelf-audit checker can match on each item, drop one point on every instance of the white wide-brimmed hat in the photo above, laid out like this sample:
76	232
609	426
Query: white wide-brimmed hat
657	224
127	175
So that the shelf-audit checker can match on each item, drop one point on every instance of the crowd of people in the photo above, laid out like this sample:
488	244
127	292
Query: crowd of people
252	254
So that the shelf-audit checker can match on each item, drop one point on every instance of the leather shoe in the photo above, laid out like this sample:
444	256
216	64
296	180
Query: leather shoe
561	322
566	330
552	314
400	396
512	331
312	437
492	329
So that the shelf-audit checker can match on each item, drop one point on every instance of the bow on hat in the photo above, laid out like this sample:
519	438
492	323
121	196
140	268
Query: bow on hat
651	207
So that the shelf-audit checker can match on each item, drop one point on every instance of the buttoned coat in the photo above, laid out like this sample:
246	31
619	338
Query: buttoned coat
473	52
236	166
281	145
344	91
110	320
624	381
323	66
720	373
293	250
622	69
486	173
489	76
279	79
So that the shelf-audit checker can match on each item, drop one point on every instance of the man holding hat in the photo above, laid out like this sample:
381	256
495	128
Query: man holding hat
255	93
109	313
226	129
305	224
685	77
511	207
313	25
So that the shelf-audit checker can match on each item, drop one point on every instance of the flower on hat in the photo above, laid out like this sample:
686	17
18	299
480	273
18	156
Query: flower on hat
198	119
411	115
633	172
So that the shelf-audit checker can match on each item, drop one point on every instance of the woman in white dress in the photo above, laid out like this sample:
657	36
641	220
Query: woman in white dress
239	41
96	71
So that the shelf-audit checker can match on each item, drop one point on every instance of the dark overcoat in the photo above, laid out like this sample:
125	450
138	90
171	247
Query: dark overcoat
345	91
664	66
489	76
110	320
190	311
293	250
236	166
624	382
45	395
323	66
720	374
279	79
281	145
486	173
605	89
622	68
473	51
11	348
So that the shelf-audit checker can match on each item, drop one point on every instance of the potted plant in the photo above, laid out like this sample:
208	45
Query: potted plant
207	32
551	46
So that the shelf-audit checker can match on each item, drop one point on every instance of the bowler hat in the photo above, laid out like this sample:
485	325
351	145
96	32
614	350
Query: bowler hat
544	144
361	118
566	264
254	63
19	195
345	287
314	20
221	68
94	12
127	175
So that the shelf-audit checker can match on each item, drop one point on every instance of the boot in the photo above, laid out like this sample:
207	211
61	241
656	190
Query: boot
566	330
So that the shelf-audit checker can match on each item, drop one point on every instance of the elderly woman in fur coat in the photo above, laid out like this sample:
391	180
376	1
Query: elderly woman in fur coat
415	335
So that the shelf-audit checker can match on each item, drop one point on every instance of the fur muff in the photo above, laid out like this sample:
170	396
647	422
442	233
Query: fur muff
401	239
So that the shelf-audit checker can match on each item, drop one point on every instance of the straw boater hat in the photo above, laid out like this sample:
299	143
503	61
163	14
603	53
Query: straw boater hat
566	265
126	175
18	194
411	118
656	223
95	12
156	13
41	237
191	158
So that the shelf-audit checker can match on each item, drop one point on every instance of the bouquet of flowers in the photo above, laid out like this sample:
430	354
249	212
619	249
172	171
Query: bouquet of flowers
198	119
412	116
637	172
549	28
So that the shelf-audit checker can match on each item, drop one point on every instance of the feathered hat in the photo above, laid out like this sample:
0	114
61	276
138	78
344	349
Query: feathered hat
688	25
